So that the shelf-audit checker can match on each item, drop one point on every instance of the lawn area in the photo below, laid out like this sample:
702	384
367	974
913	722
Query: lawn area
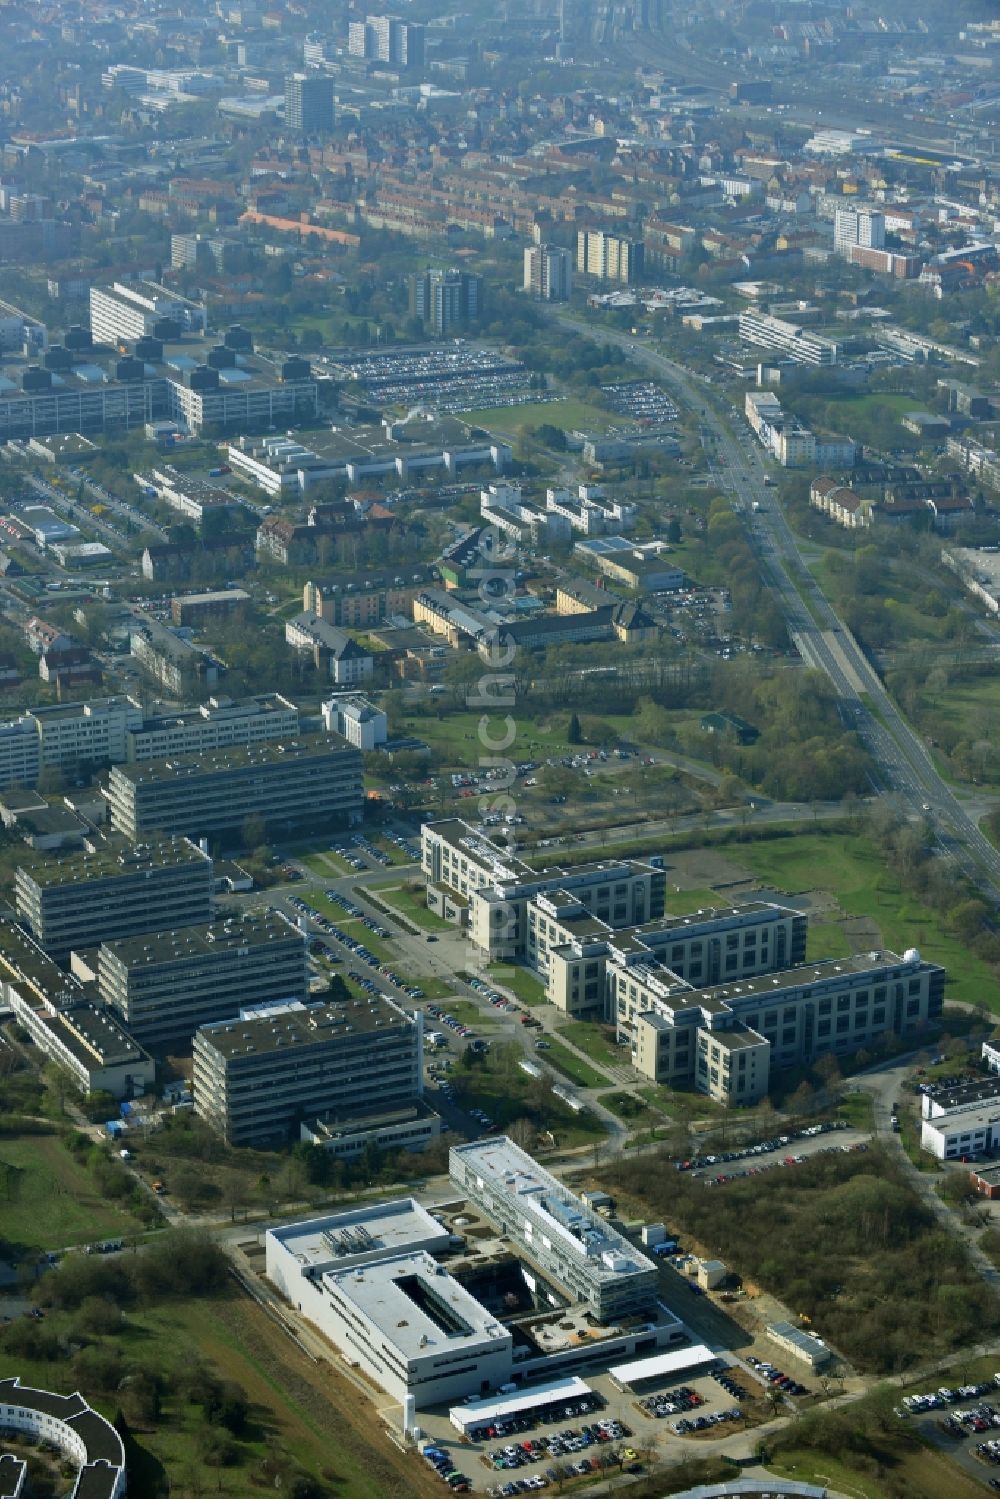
857	1109
596	1040
326	865
505	1093
569	1063
462	1010
922	1472
850	868
827	939
412	905
298	1416
522	984
683	902
626	1106
567	414
50	1200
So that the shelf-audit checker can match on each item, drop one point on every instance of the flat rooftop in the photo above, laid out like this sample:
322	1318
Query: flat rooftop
417	1307
967	1121
240	757
298	1025
379	1230
533	1194
112	860
24	959
207	941
826	972
981	1090
93	1037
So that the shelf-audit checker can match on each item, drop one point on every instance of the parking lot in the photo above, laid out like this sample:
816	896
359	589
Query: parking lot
965	1421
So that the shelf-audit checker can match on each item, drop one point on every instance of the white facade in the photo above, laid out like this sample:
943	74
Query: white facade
358	720
367	1281
123	312
962	1132
20	752
858	226
548	272
800	344
74	1428
92	732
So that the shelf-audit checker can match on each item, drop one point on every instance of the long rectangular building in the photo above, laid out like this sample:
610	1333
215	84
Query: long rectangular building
580	1252
80	900
164	985
298	783
256	1077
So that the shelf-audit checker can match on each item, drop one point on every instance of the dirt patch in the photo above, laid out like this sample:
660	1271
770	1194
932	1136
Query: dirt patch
699	868
862	933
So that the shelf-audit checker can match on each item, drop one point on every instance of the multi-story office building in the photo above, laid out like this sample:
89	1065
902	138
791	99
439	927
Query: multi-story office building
87	1043
167	983
572	950
446	299
256	1078
725	1038
219	724
800	344
568	1243
858	226
20	752
610	257
366	1278
548	272
128	311
470	877
309	104
80	900
76	735
300	783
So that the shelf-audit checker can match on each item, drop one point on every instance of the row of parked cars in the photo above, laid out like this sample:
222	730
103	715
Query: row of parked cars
703	1423
763	1147
548	1415
445	1468
448	1020
915	1405
977	1418
768	1374
679	1400
562	1444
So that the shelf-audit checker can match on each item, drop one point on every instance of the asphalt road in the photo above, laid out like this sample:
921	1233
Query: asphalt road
820	636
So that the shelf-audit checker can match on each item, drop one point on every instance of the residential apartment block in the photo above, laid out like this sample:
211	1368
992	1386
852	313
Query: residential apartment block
167	983
297	783
610	257
80	900
548	272
257	1077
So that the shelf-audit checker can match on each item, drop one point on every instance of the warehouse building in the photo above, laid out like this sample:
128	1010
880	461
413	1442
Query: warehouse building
80	900
256	1078
165	984
299	783
568	1242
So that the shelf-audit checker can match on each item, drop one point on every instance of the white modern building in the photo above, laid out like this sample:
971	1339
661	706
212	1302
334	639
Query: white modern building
353	716
128	311
367	1281
798	343
586	1258
548	272
858	226
67	1423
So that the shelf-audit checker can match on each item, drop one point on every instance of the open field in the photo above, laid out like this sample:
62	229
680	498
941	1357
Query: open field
850	868
411	905
568	414
917	1471
301	1415
568	1063
596	1040
522	984
48	1200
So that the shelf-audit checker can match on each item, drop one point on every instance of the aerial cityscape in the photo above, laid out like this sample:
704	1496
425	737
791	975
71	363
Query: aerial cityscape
500	749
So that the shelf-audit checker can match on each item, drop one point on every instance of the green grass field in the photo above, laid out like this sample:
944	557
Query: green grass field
411	906
568	414
48	1200
849	867
522	984
568	1063
596	1041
